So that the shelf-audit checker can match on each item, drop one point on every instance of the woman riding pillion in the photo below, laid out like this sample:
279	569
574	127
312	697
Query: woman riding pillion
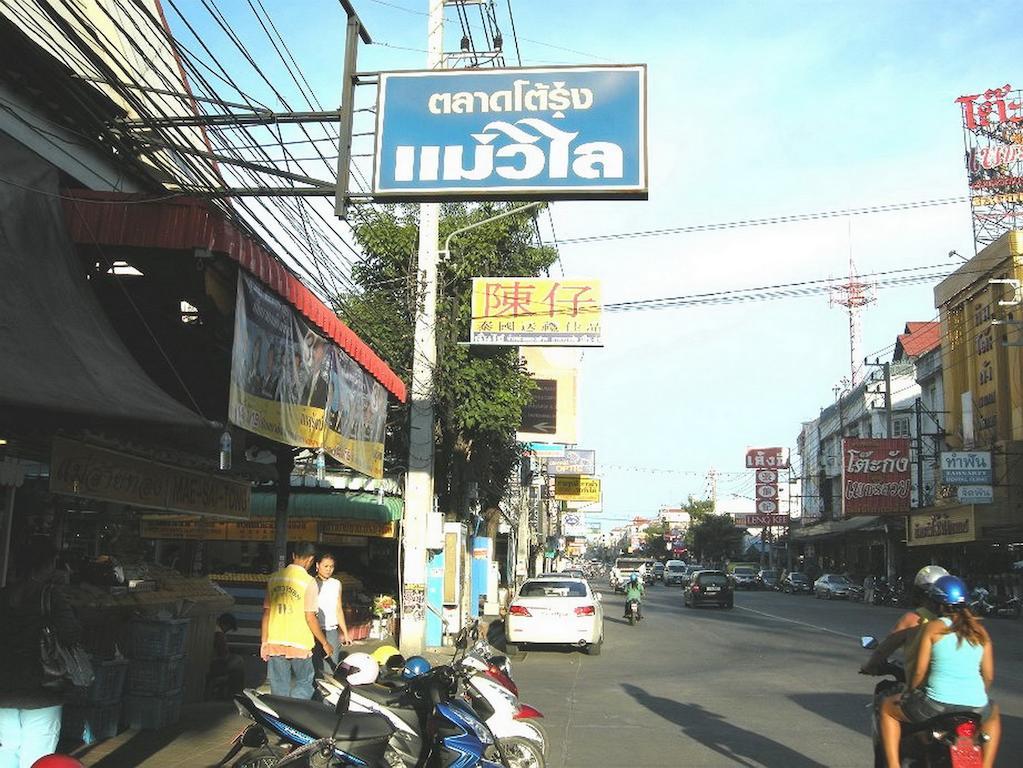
634	591
954	672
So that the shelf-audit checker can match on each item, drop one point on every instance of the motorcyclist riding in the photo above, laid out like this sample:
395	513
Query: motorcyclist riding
907	631
634	591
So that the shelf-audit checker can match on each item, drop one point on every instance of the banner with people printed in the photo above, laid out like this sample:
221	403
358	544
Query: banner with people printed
294	386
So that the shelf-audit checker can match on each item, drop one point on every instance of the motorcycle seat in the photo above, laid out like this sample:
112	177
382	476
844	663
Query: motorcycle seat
318	720
381	694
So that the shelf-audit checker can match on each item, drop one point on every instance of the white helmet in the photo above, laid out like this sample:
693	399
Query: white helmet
927	575
362	668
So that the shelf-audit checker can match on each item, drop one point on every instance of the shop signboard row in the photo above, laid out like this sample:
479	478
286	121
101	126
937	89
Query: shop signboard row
576	461
576	488
299	529
952	526
876	476
970	472
528	133
761	521
291	384
87	471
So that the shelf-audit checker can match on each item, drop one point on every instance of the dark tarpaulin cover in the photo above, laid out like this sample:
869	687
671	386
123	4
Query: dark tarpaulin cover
58	351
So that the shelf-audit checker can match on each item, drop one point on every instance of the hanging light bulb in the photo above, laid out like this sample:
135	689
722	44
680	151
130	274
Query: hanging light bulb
225	451
321	465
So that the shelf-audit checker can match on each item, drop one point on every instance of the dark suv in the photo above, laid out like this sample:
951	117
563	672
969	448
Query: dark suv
709	587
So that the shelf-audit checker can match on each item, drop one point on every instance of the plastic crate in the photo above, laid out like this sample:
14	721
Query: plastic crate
108	685
158	639
90	723
151	712
156	676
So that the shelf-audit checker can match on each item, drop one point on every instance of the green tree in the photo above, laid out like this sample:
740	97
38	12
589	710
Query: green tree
478	395
654	541
714	537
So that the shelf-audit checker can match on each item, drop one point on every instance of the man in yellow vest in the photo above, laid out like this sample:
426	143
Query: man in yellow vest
290	627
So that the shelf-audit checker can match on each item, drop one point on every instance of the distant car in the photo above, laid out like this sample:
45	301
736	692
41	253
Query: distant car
795	583
690	570
767	578
744	578
709	587
575	573
832	585
624	567
555	611
674	571
658	571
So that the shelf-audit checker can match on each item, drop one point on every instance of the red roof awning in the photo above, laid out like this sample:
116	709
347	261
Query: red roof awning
184	223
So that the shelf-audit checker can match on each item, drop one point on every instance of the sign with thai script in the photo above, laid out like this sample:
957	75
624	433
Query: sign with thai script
575	462
184	527
975	494
767	458
966	467
528	311
576	488
359	528
79	469
876	476
952	527
539	133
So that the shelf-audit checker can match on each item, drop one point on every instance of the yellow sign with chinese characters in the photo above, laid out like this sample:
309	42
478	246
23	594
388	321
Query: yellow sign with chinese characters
576	488
536	311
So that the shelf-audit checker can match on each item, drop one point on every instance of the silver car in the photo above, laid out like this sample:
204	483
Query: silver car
832	585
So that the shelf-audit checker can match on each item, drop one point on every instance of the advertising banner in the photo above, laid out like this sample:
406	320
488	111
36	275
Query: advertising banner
79	469
966	467
528	311
279	369
876	476
356	416
575	462
551	416
589	507
574	524
767	458
947	527
547	133
576	488
293	386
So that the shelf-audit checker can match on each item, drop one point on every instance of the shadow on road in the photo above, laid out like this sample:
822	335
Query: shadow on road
739	745
848	709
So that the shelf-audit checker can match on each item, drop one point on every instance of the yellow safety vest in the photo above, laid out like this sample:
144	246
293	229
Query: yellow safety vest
286	596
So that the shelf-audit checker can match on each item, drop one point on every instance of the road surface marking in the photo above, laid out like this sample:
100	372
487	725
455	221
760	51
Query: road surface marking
795	621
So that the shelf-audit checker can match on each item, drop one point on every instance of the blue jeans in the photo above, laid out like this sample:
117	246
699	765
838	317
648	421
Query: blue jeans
280	670
334	638
27	734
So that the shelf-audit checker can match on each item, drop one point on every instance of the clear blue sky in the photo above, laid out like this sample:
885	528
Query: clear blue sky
756	109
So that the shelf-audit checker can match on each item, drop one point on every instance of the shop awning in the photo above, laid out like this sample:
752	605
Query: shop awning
60	353
351	506
835	528
184	223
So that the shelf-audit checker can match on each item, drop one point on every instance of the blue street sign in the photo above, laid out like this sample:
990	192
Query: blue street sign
536	133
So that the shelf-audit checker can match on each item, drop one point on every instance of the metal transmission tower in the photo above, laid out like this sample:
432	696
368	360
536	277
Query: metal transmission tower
854	295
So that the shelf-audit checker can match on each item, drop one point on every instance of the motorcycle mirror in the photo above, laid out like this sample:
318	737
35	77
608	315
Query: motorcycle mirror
868	642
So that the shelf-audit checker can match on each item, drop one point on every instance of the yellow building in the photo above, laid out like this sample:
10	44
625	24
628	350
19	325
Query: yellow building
982	371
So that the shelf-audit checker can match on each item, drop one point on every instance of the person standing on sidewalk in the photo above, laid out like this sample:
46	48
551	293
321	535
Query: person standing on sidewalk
331	614
30	714
290	627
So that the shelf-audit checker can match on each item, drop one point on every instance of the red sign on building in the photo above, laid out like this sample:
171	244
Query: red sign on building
876	477
766	458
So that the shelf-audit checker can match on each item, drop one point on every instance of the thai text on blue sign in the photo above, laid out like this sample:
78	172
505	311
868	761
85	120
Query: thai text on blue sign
540	133
966	467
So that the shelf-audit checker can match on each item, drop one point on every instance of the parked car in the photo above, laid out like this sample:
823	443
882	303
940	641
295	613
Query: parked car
744	578
556	611
832	585
709	587
795	583
674	572
658	571
767	578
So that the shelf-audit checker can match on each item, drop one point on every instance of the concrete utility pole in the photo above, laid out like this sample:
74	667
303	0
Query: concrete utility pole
419	485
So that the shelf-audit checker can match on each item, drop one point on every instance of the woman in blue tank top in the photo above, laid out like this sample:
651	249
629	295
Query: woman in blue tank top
954	671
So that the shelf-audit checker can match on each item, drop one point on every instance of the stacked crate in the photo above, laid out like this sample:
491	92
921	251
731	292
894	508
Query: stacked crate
156	673
94	713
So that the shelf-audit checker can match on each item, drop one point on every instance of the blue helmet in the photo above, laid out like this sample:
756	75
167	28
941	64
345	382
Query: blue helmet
949	590
634	578
414	667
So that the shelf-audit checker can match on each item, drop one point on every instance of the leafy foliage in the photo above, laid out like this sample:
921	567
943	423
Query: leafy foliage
478	396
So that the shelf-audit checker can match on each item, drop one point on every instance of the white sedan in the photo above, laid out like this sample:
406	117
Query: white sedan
557	611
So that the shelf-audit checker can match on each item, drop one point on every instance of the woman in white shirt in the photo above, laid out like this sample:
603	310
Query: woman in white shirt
330	613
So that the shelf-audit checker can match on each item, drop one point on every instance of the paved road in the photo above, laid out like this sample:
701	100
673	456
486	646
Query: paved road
772	682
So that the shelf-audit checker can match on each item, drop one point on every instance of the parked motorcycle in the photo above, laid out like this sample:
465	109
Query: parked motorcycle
632	611
983	603
949	741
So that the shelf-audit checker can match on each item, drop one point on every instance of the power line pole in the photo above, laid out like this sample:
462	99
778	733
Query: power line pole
419	485
918	407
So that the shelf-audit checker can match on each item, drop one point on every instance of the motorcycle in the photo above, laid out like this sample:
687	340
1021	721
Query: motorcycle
949	741
632	611
983	603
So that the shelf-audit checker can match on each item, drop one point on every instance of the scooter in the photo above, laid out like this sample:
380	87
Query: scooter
948	741
632	611
983	603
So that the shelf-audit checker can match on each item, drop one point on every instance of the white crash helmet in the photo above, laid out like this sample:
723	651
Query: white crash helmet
362	668
927	575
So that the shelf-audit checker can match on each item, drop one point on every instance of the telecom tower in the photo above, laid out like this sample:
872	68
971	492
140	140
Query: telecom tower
854	295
